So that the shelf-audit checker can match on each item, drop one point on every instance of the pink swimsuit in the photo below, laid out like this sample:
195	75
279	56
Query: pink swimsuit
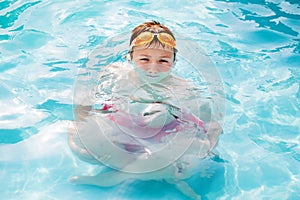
126	120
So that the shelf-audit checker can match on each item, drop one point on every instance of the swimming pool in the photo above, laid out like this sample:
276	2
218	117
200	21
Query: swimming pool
254	45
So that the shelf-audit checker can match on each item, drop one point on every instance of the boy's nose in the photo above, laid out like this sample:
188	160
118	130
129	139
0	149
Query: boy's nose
153	68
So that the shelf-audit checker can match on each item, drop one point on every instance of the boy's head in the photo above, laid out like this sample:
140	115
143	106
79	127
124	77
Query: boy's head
152	49
152	27
153	35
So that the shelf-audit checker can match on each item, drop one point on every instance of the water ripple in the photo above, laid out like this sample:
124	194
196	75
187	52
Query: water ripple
254	44
10	17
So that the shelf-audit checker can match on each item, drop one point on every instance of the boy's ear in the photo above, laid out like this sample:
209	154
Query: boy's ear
174	63
128	57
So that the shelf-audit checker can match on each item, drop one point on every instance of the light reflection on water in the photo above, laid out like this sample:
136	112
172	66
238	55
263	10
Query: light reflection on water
254	45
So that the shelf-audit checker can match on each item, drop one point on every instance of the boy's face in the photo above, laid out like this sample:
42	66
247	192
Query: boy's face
153	59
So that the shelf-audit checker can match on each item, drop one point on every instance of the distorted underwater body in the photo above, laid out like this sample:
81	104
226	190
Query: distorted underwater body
53	53
156	130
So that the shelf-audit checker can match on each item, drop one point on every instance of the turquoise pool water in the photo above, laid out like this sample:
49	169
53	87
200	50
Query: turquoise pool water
254	45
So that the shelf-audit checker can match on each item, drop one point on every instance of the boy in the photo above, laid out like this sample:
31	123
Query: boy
142	108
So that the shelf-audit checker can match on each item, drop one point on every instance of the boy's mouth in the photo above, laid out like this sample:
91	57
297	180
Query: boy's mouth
152	75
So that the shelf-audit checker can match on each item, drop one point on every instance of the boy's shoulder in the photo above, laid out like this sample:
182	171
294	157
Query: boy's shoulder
117	66
117	69
179	81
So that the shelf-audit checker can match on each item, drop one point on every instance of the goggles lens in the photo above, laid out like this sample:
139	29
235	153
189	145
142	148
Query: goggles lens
147	37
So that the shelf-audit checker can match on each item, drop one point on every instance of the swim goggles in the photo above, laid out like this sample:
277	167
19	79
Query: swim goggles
147	37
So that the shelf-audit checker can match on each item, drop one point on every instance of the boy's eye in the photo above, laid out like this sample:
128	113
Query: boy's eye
163	61
144	59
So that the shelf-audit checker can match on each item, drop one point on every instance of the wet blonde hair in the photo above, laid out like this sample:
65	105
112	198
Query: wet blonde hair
153	26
